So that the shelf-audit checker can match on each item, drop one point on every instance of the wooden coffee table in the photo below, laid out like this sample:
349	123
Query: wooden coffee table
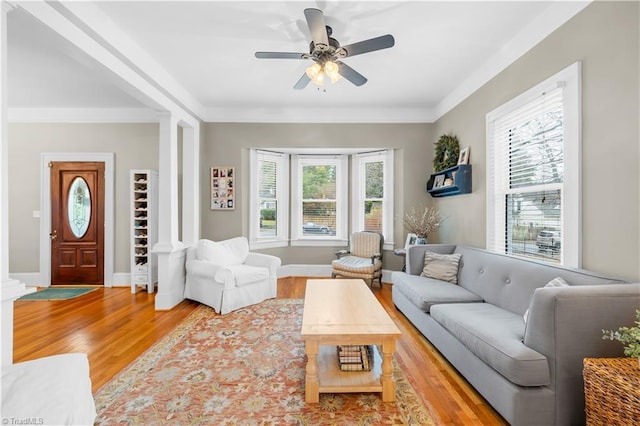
340	312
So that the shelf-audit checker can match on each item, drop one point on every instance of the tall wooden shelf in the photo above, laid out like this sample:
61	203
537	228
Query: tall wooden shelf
457	178
144	229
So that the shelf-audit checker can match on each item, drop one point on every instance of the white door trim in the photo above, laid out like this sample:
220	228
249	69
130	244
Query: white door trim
45	210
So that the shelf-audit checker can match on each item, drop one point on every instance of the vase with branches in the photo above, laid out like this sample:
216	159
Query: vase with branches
422	221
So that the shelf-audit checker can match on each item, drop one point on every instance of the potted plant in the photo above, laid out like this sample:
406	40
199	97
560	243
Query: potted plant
422	222
628	336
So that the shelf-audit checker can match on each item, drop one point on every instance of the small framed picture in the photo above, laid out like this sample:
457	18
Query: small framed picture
463	158
410	241
438	181
222	182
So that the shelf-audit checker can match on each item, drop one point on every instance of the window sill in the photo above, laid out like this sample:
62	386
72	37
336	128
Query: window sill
257	245
319	243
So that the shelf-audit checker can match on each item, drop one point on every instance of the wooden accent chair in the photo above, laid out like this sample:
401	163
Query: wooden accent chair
363	259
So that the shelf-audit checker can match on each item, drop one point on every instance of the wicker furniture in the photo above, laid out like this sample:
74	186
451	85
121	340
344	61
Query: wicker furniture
612	391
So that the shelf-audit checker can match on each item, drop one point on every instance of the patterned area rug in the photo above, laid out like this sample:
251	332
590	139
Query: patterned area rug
243	368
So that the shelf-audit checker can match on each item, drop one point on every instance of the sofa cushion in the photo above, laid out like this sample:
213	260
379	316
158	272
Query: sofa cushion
441	266
495	336
426	292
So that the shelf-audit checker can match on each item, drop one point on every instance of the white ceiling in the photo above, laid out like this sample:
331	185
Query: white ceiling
203	55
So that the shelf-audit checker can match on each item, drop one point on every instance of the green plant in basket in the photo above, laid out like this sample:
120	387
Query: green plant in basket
628	336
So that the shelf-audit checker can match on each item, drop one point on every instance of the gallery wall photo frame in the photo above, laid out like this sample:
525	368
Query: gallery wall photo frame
223	188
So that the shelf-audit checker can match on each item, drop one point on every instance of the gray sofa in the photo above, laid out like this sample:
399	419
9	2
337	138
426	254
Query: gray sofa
531	373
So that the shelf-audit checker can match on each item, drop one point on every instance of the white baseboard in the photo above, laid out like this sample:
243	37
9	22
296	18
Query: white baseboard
31	279
317	271
123	279
304	271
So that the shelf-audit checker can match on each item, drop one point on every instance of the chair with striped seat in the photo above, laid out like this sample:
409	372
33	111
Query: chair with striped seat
363	259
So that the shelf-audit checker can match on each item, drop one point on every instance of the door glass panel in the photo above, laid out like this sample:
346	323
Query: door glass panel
79	207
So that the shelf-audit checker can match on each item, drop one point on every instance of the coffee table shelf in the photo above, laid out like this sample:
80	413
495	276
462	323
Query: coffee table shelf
334	380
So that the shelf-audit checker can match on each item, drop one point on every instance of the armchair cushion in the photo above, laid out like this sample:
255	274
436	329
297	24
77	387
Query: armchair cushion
365	244
356	264
228	252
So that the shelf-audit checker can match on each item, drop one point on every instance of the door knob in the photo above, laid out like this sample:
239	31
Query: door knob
54	234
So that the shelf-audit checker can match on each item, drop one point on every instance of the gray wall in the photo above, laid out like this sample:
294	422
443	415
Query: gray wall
228	144
135	147
605	37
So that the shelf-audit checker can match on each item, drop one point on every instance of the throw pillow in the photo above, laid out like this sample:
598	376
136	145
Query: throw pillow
556	282
442	267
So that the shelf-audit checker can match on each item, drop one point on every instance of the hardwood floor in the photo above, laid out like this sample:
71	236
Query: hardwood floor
113	327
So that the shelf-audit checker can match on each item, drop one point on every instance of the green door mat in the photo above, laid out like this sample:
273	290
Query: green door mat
58	293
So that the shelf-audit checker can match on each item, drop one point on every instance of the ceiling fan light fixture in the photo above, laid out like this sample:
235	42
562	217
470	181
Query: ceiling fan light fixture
314	70
318	79
331	70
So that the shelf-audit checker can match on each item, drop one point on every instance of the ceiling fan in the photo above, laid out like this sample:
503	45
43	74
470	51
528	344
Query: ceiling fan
326	53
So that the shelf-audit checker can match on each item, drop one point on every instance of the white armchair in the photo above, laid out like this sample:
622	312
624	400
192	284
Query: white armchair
226	276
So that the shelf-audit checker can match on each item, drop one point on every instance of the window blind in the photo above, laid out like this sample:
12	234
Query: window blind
269	177
528	178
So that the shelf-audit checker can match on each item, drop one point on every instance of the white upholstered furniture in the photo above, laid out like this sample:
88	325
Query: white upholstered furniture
54	390
362	260
226	276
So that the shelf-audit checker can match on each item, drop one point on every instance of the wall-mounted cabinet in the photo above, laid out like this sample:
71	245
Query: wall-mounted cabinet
452	181
144	229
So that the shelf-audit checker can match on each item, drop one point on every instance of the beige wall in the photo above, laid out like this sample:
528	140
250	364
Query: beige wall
134	145
605	37
228	144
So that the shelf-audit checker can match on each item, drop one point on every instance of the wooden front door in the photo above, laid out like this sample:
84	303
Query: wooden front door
77	223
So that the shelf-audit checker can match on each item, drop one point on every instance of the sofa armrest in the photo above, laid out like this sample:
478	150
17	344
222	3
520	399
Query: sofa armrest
565	324
415	255
264	260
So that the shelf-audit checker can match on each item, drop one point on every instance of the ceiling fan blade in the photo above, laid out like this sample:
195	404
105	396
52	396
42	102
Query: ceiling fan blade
302	83
315	21
350	74
280	55
371	45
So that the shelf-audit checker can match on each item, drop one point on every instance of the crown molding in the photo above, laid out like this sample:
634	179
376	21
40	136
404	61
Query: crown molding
319	115
8	6
537	30
83	115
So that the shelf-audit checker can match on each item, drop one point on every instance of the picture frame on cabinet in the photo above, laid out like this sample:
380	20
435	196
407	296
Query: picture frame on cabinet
438	181
463	158
222	182
410	241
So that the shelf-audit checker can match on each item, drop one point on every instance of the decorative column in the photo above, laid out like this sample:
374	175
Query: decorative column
190	184
10	289
170	251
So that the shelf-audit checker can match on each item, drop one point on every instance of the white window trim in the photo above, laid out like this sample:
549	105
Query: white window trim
282	233
342	204
358	193
570	80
